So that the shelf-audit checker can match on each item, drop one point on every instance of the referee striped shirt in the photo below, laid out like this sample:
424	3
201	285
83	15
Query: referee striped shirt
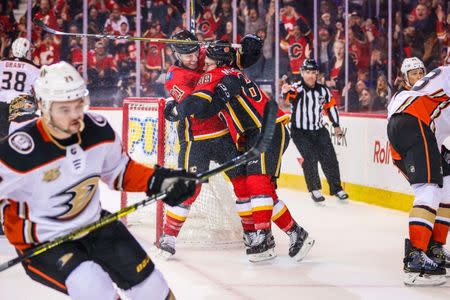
308	105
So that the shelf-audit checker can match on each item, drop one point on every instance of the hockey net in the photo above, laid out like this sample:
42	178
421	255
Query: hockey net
150	139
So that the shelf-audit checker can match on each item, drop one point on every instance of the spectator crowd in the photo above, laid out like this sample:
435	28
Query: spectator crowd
420	28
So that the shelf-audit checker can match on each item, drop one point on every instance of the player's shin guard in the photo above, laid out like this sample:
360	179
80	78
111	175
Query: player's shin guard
153	287
423	214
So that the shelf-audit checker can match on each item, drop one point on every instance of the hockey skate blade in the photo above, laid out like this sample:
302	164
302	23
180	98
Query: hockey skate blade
307	245
264	256
415	279
165	255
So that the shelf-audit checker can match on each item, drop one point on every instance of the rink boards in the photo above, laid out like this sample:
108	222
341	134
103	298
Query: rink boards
366	167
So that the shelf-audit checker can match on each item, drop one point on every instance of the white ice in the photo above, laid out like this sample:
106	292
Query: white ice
358	255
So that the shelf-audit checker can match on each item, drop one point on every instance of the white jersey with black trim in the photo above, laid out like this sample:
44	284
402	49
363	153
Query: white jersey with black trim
14	125
436	85
55	190
17	76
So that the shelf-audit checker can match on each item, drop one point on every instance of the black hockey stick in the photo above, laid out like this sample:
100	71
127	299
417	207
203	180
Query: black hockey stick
121	37
266	135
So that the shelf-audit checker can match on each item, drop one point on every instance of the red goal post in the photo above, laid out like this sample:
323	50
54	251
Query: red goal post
150	139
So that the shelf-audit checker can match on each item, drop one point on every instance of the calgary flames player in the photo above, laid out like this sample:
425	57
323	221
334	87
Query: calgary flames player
201	140
419	125
244	104
50	172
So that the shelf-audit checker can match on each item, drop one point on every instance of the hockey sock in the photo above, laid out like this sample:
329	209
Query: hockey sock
243	203
281	216
175	216
244	209
260	191
441	225
423	214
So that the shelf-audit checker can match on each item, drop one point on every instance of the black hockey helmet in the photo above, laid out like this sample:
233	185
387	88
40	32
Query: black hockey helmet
221	52
184	35
22	105
310	64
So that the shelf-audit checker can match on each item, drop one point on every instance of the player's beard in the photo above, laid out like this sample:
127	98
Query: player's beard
75	126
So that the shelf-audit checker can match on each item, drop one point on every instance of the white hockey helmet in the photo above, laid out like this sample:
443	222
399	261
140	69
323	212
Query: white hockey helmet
60	82
411	63
20	47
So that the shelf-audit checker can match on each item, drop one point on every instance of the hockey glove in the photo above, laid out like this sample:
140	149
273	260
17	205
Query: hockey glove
251	43
228	88
250	51
170	111
169	180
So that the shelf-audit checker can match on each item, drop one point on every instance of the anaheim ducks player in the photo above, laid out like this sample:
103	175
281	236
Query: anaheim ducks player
245	102
50	173
413	115
17	75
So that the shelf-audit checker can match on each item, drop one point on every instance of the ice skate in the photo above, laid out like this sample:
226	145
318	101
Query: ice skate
166	248
300	243
440	255
420	270
262	246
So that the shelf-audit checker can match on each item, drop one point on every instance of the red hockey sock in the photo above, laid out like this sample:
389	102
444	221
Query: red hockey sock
243	203
419	236
281	216
421	221
441	225
260	190
175	218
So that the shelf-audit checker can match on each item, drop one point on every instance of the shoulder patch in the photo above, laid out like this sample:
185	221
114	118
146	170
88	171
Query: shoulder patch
98	119
21	142
206	78
169	75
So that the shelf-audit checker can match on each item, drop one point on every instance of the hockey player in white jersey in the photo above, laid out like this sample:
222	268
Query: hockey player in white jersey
17	75
418	125
50	171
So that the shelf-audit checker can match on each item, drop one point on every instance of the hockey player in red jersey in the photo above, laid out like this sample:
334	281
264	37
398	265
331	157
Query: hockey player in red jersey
200	139
418	125
50	171
244	104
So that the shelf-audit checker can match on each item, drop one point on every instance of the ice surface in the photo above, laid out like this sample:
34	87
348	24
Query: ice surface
358	255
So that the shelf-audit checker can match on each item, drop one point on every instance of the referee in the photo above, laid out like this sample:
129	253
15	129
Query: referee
309	99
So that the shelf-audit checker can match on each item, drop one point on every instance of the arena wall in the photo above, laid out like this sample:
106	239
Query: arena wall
367	171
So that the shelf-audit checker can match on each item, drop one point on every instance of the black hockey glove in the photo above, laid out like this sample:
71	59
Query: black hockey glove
251	43
250	51
178	189
170	111
228	88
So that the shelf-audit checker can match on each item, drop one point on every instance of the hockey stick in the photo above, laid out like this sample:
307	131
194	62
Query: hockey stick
121	37
264	140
